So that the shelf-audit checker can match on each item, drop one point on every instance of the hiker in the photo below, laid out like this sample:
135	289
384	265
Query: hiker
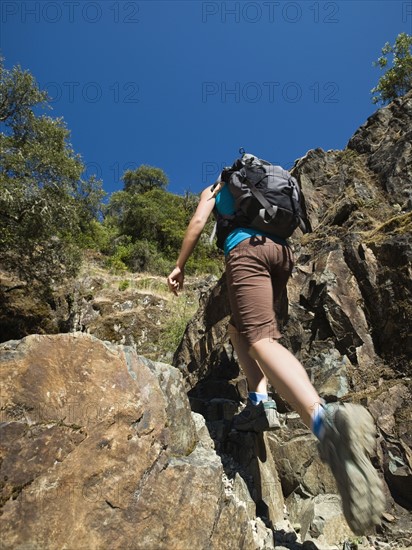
258	266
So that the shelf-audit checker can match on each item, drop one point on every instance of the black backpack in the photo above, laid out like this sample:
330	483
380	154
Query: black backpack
267	198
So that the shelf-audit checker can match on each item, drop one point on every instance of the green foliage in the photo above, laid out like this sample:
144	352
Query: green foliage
118	260
45	206
145	178
156	216
398	79
181	311
155	222
124	285
48	213
98	236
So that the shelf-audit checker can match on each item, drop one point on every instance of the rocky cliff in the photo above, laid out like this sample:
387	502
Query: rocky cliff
349	317
101	447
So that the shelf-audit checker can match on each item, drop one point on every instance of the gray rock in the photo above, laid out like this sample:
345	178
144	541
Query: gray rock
323	522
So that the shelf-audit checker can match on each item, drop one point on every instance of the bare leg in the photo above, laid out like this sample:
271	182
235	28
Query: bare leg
287	376
256	380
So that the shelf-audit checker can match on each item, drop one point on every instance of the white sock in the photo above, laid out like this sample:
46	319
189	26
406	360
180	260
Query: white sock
256	397
317	424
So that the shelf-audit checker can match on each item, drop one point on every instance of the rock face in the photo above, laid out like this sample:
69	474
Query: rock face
350	313
134	310
99	450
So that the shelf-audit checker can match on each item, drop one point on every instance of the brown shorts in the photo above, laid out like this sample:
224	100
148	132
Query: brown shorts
257	271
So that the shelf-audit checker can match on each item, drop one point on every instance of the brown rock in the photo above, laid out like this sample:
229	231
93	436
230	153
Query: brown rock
97	453
322	521
298	463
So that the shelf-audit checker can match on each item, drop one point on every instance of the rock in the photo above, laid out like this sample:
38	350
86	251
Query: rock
386	141
388	406
245	459
202	432
202	349
262	536
23	312
391	407
250	451
388	517
333	294
323	522
98	449
329	374
298	463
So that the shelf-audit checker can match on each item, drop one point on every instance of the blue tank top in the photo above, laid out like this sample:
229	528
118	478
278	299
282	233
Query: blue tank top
225	205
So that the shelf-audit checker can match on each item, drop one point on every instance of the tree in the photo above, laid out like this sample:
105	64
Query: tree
398	79
151	226
44	204
155	215
144	178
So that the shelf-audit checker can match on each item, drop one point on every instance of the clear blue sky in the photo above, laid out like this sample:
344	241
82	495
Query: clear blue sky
183	84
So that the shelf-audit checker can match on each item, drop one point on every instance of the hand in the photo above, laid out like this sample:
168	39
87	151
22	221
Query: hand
175	280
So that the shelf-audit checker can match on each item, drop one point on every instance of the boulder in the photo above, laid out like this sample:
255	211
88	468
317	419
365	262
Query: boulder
99	450
322	521
298	463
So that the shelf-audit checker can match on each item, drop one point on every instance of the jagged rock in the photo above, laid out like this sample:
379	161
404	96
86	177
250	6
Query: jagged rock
382	268
136	311
250	451
391	406
202	350
298	463
322	521
332	293
350	308
245	456
202	432
328	371
23	312
386	139
99	450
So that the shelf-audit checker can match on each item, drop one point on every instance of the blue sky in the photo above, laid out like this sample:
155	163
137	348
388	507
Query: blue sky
183	84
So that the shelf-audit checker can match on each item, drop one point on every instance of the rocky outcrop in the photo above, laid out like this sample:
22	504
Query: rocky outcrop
99	450
349	320
386	140
134	309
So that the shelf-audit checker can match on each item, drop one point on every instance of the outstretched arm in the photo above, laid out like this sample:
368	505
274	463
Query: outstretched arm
193	232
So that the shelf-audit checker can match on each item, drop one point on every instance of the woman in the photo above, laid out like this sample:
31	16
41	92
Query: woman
257	268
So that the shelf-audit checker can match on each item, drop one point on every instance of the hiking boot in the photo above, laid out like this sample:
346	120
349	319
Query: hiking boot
348	442
257	418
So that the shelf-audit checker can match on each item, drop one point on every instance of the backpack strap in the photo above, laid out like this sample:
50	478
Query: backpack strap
224	225
270	210
267	207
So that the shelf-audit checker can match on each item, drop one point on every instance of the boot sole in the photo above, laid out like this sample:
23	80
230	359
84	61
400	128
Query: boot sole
358	482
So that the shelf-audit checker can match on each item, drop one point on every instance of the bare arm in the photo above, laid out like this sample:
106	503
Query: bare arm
193	232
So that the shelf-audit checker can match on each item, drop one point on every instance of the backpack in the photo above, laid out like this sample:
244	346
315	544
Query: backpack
267	198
